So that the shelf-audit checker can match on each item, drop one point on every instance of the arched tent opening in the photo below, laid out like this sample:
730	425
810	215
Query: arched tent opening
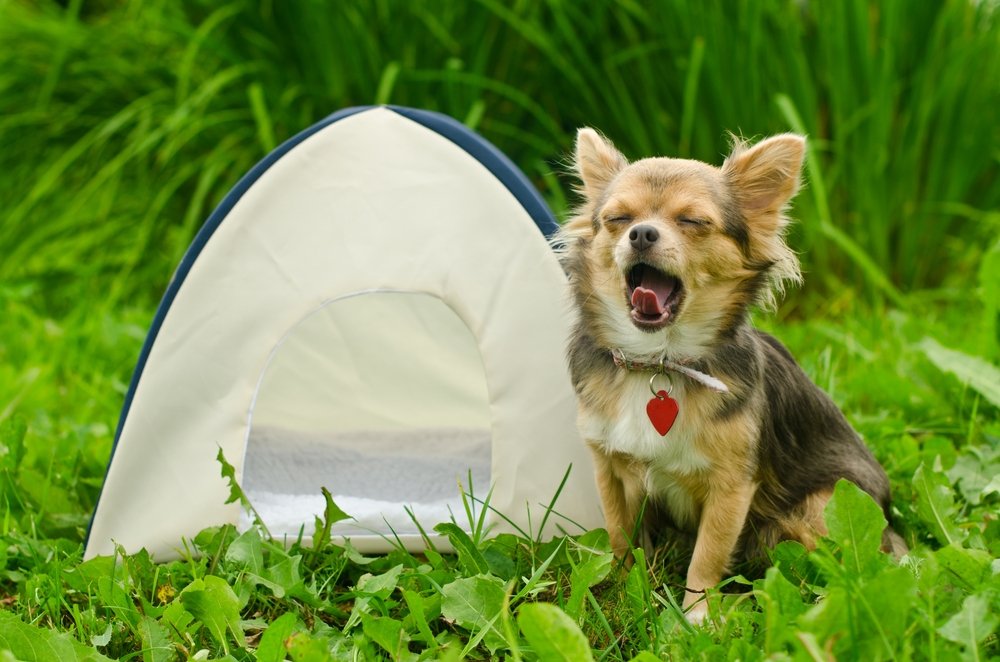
374	309
381	398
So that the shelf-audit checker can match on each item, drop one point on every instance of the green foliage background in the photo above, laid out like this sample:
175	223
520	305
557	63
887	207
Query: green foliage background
122	123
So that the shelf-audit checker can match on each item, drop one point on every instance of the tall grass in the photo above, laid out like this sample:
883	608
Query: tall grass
124	122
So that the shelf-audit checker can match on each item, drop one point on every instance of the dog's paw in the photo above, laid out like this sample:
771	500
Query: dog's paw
698	613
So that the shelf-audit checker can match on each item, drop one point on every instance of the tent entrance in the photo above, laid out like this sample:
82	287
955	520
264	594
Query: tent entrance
380	397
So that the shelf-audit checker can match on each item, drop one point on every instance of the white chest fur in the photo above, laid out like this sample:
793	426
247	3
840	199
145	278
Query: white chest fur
667	457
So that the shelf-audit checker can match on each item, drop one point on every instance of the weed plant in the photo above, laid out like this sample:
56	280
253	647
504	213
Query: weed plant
123	122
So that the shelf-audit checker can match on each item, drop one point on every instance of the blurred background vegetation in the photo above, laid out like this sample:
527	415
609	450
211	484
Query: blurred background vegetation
123	122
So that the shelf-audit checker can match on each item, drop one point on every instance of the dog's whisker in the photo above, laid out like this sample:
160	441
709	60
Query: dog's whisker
593	290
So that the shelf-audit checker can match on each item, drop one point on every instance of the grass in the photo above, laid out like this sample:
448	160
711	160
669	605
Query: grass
123	123
936	438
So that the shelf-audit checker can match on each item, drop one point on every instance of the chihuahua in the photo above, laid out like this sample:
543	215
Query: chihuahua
694	417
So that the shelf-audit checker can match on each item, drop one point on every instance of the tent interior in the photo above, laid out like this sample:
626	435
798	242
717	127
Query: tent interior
380	397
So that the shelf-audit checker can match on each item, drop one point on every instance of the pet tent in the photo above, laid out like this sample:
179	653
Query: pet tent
374	308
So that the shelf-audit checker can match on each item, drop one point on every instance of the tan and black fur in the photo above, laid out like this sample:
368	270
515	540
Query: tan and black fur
743	469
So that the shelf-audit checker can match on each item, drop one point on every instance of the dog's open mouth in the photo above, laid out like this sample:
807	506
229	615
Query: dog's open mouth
653	295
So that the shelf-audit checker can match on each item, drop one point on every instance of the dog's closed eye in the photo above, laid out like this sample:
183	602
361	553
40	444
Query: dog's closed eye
619	218
694	222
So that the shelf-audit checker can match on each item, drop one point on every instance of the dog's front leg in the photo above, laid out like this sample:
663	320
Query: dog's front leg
621	487
722	518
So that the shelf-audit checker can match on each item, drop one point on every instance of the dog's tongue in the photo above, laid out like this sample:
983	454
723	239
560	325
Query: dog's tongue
652	292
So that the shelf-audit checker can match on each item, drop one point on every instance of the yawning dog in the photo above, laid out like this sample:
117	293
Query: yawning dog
687	407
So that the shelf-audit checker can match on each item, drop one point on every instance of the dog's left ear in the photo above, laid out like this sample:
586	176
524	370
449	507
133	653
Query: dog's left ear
763	178
766	176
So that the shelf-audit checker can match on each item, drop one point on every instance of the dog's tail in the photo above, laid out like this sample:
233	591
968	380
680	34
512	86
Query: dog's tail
893	543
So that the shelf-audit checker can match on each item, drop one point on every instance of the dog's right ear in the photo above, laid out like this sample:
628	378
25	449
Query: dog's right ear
597	162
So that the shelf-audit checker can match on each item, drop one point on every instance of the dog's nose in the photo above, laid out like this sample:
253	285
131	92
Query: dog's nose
643	236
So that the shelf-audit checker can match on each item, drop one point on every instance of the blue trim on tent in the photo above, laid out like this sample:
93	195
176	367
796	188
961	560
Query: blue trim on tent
478	147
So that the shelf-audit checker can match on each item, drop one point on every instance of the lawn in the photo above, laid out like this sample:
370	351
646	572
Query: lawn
122	124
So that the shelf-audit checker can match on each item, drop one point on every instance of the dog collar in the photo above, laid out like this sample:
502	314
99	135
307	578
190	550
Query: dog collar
663	365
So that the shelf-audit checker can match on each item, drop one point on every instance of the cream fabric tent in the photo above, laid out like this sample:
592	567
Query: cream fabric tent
374	309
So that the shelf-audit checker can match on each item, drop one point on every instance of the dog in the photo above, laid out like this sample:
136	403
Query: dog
693	416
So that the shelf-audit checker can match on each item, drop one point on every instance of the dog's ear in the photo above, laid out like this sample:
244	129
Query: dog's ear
763	178
766	176
597	162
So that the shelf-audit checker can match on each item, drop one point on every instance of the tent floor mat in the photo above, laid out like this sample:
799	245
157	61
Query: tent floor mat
373	476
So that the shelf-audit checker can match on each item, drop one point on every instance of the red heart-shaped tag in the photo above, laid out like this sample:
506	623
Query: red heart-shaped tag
662	411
